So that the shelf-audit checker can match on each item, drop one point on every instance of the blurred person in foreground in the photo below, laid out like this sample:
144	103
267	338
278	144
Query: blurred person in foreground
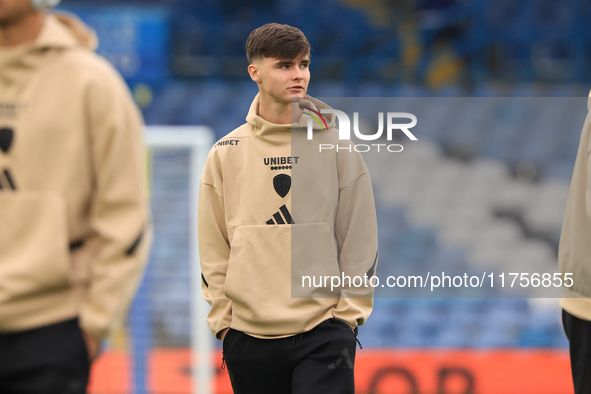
74	218
249	241
574	258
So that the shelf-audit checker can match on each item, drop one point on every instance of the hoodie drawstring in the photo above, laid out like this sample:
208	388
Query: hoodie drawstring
356	331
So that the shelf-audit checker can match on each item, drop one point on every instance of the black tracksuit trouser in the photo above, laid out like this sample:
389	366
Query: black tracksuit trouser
318	361
578	332
48	360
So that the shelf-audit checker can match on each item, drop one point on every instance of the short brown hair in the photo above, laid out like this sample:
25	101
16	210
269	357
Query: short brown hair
276	41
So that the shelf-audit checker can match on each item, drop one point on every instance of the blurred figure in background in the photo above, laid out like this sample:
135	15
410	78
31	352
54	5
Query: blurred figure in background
75	228
574	258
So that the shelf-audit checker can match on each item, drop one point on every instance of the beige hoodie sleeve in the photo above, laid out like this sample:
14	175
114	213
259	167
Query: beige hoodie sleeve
585	152
357	240
214	250
120	222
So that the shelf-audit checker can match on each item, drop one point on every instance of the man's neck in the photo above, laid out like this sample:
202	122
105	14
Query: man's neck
22	30
274	111
278	113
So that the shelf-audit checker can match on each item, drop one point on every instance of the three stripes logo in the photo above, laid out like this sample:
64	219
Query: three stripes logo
343	362
280	219
6	137
9	180
282	185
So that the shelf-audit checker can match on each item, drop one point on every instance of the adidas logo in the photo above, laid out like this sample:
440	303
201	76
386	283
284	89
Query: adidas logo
9	179
279	219
6	137
282	185
343	362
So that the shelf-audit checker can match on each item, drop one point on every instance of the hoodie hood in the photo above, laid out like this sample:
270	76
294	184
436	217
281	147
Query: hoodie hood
59	32
263	128
66	31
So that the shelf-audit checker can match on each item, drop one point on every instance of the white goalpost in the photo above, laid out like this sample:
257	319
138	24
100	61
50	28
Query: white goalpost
198	141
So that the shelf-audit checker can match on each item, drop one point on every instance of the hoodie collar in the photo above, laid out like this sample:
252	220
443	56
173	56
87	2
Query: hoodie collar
59	32
62	30
263	128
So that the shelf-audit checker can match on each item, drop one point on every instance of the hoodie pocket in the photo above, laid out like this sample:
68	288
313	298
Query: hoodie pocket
264	260
34	254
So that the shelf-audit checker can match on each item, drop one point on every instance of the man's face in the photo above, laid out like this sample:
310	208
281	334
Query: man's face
13	10
280	79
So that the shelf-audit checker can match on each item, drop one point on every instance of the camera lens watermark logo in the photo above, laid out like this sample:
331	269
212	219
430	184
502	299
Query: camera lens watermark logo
345	129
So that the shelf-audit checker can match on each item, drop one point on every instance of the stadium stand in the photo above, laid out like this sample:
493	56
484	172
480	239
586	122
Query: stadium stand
513	181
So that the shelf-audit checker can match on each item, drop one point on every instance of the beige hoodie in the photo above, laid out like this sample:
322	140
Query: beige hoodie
257	180
74	217
574	253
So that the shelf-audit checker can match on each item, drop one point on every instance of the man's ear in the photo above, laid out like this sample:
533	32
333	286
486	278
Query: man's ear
253	71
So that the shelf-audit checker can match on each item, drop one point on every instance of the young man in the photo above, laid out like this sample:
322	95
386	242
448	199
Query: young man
75	226
268	216
574	258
